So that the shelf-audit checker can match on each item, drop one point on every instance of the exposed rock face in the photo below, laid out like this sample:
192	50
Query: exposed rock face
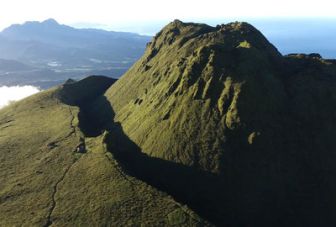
223	100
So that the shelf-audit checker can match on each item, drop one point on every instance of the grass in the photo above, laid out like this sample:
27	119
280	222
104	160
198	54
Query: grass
224	101
196	128
46	182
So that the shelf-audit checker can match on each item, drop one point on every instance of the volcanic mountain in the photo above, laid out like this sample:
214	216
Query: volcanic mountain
47	53
50	41
211	125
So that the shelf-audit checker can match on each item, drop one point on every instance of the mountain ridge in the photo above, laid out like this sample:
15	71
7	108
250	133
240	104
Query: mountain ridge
65	164
223	100
57	52
51	24
50	32
182	80
214	117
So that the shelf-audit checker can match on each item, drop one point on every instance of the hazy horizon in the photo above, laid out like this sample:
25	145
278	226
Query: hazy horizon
150	28
130	12
285	23
289	35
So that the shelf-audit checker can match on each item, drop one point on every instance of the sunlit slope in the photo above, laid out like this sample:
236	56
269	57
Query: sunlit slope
198	83
47	179
255	127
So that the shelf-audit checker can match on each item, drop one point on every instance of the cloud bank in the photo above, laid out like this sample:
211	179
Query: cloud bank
15	93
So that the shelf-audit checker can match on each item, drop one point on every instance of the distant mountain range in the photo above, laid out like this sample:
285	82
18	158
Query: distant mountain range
12	65
67	51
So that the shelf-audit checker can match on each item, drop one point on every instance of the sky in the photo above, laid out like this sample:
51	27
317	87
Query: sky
100	13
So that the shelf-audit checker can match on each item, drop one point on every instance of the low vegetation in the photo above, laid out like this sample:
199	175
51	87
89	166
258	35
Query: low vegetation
211	125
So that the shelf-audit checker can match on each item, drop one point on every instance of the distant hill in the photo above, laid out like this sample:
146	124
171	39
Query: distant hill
68	51
50	40
12	65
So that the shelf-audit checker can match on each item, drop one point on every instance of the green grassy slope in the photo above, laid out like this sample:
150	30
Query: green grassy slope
47	181
210	117
38	137
227	125
187	85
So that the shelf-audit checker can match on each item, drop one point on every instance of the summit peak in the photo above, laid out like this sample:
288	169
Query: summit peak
50	21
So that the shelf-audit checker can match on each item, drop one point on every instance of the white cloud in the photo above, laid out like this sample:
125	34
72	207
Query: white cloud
15	93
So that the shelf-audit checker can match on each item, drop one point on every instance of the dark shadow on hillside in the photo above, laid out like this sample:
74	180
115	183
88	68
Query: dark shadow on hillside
95	117
186	184
223	200
87	94
259	189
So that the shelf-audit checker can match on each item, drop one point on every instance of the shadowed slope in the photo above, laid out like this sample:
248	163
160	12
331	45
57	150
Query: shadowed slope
47	181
